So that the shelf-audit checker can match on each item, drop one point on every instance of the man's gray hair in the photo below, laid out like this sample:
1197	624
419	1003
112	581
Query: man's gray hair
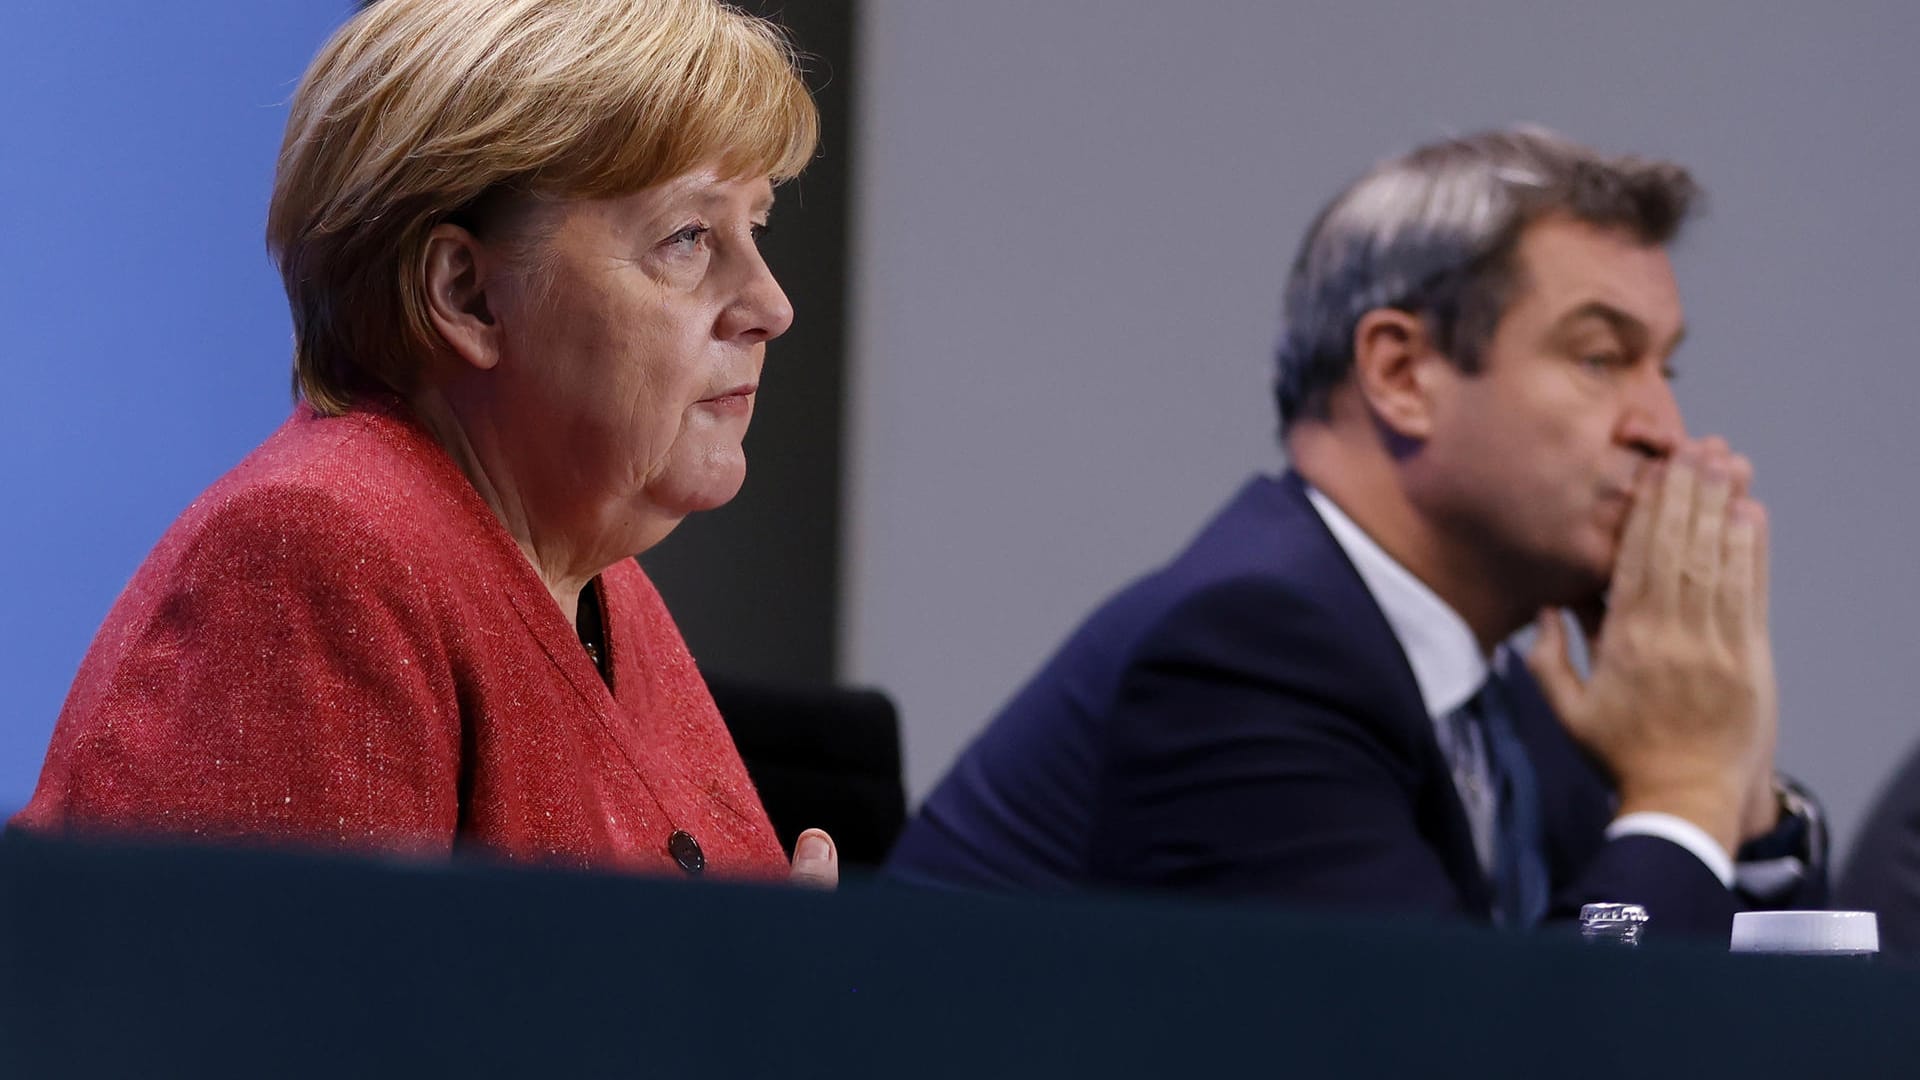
1433	233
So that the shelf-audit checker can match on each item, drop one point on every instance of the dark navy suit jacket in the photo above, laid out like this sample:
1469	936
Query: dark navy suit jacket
1243	723
1883	873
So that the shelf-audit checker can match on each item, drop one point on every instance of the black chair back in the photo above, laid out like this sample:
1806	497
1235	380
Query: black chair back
823	757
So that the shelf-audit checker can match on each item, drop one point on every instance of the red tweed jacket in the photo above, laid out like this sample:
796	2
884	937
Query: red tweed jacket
339	645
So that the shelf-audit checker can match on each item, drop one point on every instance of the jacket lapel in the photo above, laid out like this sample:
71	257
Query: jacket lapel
1384	694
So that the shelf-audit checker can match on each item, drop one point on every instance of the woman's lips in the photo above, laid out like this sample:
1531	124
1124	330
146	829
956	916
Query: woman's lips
738	398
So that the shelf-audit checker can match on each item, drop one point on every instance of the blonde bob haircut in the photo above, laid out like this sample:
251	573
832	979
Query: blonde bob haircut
416	110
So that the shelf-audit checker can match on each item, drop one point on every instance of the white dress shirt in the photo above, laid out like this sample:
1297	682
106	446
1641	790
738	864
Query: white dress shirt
1449	667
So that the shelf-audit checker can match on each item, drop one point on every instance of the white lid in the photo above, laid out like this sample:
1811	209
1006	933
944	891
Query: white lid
1806	932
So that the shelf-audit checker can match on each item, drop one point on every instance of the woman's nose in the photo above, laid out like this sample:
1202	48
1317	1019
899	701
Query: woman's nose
760	311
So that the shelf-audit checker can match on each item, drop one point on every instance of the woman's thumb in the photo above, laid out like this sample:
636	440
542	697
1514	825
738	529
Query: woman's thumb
816	863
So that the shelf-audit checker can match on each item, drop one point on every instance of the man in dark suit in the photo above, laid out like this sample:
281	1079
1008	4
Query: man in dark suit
1313	703
1882	874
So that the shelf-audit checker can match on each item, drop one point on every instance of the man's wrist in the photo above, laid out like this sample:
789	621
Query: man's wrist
1680	831
1764	808
1714	811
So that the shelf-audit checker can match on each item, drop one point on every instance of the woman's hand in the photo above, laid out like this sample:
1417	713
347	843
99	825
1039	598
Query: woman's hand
816	862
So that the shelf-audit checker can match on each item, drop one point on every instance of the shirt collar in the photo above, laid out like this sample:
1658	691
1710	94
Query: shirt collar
1447	663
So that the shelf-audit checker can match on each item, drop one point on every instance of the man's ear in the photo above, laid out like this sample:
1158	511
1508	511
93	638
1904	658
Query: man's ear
1393	366
458	270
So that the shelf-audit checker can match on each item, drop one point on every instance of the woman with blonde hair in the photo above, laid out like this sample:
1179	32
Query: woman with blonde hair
520	244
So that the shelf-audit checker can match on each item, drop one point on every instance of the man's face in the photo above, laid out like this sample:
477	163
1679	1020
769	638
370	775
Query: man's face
1532	460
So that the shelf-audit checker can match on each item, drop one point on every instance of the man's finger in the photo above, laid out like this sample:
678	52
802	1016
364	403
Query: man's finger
1742	475
1733	606
1666	554
1552	665
1700	567
1630	564
1762	565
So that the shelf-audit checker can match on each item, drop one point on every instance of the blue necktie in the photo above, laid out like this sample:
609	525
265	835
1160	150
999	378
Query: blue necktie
1520	884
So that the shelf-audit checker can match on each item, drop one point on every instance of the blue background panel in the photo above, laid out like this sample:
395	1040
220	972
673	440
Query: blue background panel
143	333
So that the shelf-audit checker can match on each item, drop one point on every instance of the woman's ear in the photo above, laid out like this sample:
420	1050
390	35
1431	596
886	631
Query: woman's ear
1394	362
459	269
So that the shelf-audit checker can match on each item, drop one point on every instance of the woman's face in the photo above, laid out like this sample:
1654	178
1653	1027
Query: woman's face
632	335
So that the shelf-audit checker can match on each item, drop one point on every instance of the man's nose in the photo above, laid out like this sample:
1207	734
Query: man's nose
1652	424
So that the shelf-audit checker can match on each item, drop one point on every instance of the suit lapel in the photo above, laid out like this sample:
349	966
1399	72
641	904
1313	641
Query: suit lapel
1384	696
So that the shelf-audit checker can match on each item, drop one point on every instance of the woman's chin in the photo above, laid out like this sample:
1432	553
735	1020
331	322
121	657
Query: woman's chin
711	486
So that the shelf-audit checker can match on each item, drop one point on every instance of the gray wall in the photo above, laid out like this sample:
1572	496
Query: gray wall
1074	217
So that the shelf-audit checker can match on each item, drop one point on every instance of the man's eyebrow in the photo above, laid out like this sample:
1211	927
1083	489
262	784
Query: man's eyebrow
1630	329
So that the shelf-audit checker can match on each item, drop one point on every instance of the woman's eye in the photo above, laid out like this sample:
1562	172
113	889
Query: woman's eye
691	234
760	230
1602	361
